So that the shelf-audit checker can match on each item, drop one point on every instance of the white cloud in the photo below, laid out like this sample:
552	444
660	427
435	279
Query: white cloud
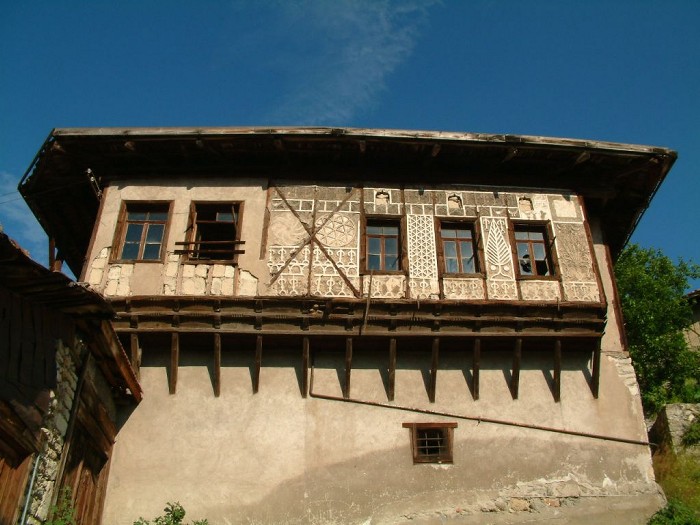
17	221
342	53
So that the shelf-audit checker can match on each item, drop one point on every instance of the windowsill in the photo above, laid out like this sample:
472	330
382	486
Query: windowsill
537	278
368	273
136	261
209	261
464	275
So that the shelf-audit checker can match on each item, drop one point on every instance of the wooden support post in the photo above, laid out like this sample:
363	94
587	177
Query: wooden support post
595	373
174	360
392	368
557	370
515	375
258	361
55	262
135	355
305	367
217	364
348	366
433	369
476	366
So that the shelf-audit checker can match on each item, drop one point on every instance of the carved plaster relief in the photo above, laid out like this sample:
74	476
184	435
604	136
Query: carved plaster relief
293	280
386	286
502	290
573	251
534	206
285	229
584	292
463	289
565	207
422	256
499	262
339	230
382	201
542	291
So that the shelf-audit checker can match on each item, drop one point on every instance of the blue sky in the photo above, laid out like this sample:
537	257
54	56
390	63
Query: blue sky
625	71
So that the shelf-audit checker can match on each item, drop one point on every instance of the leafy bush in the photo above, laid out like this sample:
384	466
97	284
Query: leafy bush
174	514
652	295
675	513
63	512
691	436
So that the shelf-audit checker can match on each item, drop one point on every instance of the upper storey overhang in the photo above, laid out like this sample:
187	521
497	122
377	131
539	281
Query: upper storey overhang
63	183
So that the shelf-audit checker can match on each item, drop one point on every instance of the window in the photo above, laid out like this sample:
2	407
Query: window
383	251
431	442
143	232
213	231
458	250
534	258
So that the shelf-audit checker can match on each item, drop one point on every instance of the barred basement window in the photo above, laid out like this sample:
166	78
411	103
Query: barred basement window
431	442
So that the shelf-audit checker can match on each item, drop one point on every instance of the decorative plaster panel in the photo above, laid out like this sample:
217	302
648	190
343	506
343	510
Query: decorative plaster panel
386	286
467	289
543	291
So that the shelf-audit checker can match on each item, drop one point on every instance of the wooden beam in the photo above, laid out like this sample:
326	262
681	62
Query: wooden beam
258	361
595	373
135	355
174	360
515	374
433	369
305	367
392	368
217	364
476	366
348	366
557	370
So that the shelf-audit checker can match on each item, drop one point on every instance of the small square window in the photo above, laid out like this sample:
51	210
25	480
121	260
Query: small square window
534	256
383	246
458	248
431	442
143	232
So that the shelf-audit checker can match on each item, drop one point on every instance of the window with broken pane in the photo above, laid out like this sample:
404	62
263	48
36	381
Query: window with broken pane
534	256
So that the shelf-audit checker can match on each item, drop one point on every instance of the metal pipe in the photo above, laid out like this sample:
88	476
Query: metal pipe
28	499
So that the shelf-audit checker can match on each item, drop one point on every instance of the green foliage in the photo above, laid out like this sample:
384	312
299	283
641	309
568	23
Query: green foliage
652	295
174	514
63	512
675	513
679	476
691	436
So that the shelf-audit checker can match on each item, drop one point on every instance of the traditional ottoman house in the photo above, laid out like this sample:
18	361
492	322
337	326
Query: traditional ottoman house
359	325
62	374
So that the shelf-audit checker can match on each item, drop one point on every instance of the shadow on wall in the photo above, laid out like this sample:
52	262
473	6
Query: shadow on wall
328	358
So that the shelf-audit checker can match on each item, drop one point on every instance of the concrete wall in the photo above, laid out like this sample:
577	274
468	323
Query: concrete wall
275	457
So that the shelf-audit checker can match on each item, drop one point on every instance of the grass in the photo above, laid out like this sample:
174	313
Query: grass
679	476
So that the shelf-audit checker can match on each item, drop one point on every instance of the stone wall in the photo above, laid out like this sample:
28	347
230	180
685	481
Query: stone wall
671	424
54	433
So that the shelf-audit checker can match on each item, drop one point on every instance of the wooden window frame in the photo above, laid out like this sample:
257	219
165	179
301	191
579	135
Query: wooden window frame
475	242
543	227
399	223
447	429
190	245
123	224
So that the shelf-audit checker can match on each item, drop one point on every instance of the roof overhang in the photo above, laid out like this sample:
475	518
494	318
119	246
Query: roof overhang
24	277
62	186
